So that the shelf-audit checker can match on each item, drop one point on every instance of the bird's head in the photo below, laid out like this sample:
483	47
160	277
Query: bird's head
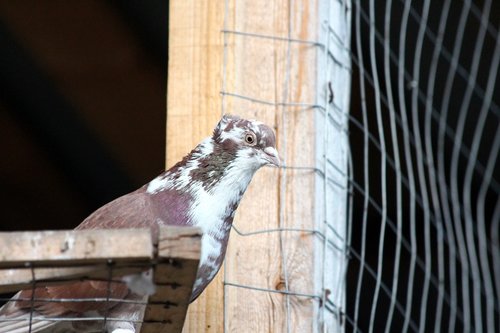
252	142
235	151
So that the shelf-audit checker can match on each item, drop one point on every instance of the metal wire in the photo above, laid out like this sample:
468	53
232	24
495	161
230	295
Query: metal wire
433	187
34	301
482	237
420	166
479	168
442	190
436	115
366	186
331	175
109	265
397	165
470	249
403	242
32	297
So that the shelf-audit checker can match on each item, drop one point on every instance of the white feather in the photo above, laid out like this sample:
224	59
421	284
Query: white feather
165	181
212	207
141	283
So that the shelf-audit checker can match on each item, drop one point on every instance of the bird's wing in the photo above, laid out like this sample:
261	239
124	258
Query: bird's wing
133	210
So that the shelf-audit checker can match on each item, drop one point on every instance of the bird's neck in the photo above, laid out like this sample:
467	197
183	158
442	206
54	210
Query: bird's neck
214	207
214	179
213	212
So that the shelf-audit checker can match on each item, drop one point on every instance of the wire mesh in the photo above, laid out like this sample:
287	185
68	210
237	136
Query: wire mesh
92	322
322	172
424	136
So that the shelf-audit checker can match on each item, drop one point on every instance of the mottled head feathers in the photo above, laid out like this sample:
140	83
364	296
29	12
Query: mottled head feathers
237	147
249	139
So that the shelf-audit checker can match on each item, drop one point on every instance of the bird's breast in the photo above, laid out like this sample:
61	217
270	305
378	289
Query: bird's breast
172	206
213	250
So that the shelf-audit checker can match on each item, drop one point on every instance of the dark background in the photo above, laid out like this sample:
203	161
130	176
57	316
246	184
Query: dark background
357	129
82	106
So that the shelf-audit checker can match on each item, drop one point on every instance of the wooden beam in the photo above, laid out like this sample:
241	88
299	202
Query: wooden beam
58	248
174	275
256	68
195	57
279	73
56	256
194	107
263	75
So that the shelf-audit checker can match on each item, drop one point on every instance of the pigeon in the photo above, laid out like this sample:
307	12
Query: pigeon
202	190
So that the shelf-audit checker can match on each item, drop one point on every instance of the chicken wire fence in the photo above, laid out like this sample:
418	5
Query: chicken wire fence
288	63
418	183
424	137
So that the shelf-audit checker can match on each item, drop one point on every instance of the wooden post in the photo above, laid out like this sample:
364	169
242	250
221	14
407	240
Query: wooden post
57	256
260	74
194	107
274	73
178	256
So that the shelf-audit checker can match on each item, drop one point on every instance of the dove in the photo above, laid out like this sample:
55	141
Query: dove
203	190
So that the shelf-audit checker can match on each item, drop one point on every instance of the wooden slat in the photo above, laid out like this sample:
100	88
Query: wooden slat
57	256
70	247
179	242
194	107
281	72
12	280
178	257
257	68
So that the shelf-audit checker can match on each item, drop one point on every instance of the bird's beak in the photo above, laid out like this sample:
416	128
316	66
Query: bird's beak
270	155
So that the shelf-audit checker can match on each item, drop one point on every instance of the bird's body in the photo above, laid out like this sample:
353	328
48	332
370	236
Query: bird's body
203	190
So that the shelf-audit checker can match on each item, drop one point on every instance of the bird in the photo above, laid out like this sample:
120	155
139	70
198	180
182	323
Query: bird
204	190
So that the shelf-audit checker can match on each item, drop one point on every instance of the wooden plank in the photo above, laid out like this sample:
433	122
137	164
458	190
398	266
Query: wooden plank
179	242
56	248
193	97
58	256
178	257
12	280
276	71
332	145
194	107
256	68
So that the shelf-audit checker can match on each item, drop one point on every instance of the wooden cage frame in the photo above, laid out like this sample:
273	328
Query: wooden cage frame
55	257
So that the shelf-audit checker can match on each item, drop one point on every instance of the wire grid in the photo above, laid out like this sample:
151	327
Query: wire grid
330	109
425	137
96	323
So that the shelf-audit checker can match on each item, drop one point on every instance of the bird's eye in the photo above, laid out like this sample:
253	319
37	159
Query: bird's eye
250	139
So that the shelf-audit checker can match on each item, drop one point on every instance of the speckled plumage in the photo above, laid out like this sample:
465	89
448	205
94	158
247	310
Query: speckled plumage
203	190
